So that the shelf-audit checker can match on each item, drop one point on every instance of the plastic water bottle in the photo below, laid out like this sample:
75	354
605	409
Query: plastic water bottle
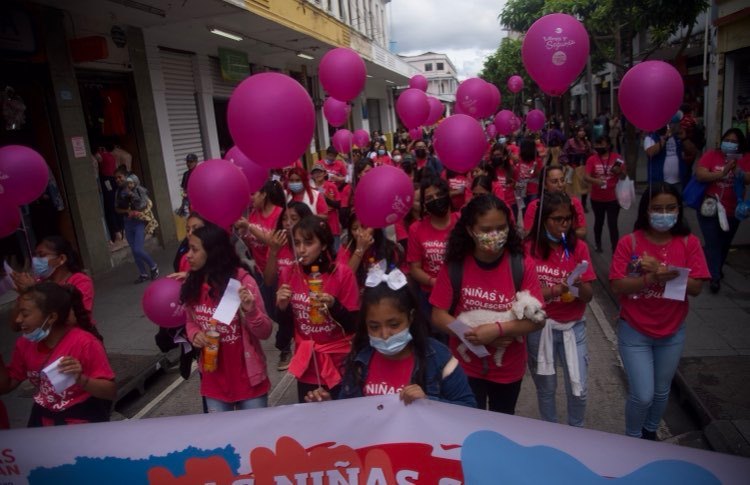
315	283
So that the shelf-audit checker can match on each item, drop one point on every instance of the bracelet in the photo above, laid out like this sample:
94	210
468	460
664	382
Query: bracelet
500	329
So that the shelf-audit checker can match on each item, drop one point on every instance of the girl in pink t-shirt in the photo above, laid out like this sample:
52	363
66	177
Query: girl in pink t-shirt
298	185
651	328
50	339
603	170
557	252
527	171
255	231
322	334
239	380
481	245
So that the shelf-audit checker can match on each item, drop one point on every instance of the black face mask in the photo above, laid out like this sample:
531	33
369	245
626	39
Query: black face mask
420	153
600	150
438	207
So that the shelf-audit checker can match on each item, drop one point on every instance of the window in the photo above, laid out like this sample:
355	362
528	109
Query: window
428	67
440	66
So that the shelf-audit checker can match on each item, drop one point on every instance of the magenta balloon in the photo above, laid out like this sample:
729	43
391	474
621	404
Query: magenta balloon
161	303
436	111
412	107
271	119
418	81
383	197
336	112
342	141
515	84
491	130
361	138
10	219
650	94
460	142
515	123
255	174
415	133
219	192
554	52
496	98
342	73
23	175
504	122
475	98
535	120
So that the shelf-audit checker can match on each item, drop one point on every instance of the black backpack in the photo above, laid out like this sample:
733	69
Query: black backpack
456	274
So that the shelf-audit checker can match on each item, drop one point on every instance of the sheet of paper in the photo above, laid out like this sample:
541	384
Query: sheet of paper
577	272
675	289
460	328
6	283
58	380
229	304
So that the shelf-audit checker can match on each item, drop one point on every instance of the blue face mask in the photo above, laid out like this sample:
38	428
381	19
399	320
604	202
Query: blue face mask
662	222
729	147
40	267
381	152
552	238
393	344
503	140
39	333
296	187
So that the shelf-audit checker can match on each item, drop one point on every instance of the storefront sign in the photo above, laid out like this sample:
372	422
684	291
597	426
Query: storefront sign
234	64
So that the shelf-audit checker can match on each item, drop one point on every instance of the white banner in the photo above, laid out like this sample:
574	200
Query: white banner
366	441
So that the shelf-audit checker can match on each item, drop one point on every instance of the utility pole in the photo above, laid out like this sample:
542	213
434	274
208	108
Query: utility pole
590	89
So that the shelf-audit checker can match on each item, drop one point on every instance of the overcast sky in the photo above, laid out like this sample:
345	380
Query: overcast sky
466	30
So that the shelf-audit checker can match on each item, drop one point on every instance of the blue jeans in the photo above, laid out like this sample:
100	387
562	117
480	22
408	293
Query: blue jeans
217	406
546	386
650	364
716	242
135	233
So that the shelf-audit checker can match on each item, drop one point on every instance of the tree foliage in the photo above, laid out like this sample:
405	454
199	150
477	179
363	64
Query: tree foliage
502	64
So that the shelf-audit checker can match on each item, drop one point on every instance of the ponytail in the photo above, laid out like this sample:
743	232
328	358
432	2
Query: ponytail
83	316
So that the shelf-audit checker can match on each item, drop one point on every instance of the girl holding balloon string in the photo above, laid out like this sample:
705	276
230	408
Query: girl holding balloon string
322	334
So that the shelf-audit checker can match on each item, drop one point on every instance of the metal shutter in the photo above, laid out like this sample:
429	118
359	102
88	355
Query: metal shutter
182	108
222	89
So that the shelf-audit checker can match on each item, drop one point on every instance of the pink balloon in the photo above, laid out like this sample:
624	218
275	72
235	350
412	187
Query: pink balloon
496	97
255	174
161	303
336	112
535	120
554	52
361	138
475	98
23	175
491	130
219	192
412	107
418	81
505	122
436	111
383	197
515	83
460	142
415	133
458	110
271	119
10	219
342	73
342	141
650	94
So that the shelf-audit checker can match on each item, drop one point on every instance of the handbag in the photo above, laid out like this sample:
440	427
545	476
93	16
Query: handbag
625	192
692	195
709	206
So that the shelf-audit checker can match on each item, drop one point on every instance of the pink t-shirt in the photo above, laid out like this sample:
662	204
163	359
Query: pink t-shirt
266	224
345	195
337	167
503	189
382	160
490	290
458	182
647	311
554	270
29	358
387	376
342	285
316	203
427	245
529	171
714	161
597	167
580	219
85	285
284	258
230	382
331	192
184	266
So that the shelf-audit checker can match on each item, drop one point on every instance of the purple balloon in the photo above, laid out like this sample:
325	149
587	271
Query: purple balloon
496	98
650	94
383	197
415	133
361	138
554	52
336	112
418	81
436	111
255	174
535	120
271	119
475	98
342	73
460	142
342	141
515	84
10	219
23	175
412	107
504	122
491	130
219	192
161	303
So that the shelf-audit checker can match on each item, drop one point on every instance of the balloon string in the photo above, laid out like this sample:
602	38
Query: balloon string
25	231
